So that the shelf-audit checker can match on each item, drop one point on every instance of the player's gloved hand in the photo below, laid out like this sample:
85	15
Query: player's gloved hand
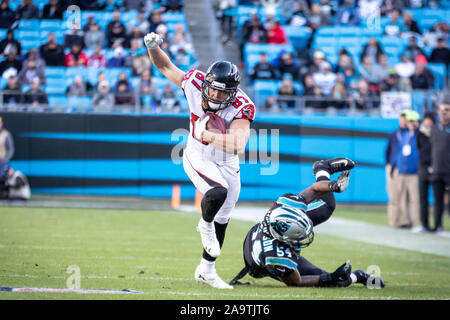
200	127
341	183
153	40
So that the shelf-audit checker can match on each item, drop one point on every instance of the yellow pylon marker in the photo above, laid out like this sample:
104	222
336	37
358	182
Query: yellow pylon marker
176	196
198	201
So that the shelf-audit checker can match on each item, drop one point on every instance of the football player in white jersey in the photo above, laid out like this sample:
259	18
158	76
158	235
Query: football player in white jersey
210	159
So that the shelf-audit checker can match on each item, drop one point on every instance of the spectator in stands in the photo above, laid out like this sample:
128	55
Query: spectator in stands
51	52
136	34
413	49
344	61
100	78
90	21
391	168
178	43
441	54
394	26
11	66
154	20
339	94
27	10
272	105
163	31
324	78
124	95
318	18
136	59
77	87
147	85
308	85
7	16
369	8
389	5
182	59
300	17
76	57
391	83
287	90
116	32
52	10
350	80
422	78
347	14
407	160
316	101
117	61
366	70
34	55
94	37
318	58
12	92
30	72
409	23
381	69
35	96
168	100
103	99
179	28
288	65
10	44
371	49
74	36
440	154
364	98
425	169
263	69
226	19
405	69
97	58
140	22
172	6
253	31
276	34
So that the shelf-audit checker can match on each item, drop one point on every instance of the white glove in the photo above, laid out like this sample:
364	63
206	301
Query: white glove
342	182
153	40
200	127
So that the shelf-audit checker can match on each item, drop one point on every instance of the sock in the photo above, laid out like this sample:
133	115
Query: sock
207	266
220	234
322	175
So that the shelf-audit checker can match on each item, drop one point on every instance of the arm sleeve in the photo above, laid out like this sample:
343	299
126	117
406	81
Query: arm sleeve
9	147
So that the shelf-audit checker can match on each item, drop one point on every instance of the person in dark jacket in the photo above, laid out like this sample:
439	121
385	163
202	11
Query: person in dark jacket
440	161
27	10
7	16
52	10
10	44
441	54
424	146
52	52
263	69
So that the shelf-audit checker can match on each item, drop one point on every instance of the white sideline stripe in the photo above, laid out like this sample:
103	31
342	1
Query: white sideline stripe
366	232
96	277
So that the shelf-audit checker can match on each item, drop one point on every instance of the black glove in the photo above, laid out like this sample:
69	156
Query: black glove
339	278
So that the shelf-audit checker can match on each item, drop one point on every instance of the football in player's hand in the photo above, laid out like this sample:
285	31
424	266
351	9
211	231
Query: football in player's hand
215	123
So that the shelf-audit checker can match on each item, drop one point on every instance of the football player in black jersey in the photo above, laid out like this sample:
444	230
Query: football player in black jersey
272	247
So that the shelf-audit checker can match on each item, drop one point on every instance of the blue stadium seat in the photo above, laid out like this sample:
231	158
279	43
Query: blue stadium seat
3	33
73	71
439	71
59	34
264	89
57	101
272	50
80	104
26	34
112	74
174	17
28	44
55	72
320	41
298	36
51	25
56	86
29	24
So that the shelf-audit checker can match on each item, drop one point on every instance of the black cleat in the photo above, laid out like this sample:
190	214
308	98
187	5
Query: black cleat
368	279
333	165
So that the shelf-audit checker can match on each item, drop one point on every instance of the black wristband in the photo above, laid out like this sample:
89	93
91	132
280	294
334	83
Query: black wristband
326	280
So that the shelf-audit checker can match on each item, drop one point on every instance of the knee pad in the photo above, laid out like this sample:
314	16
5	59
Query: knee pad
212	201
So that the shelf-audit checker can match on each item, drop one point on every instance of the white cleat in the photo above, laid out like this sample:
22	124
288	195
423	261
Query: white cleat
211	278
209	239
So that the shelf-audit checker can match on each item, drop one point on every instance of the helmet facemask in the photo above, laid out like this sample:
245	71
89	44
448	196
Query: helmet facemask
214	103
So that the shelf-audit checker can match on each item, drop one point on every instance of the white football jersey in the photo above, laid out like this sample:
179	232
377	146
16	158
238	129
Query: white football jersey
242	108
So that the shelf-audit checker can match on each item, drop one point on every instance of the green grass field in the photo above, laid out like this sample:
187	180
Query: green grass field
157	252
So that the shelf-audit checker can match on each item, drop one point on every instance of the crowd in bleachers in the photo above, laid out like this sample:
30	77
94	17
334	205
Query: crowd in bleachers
341	53
53	54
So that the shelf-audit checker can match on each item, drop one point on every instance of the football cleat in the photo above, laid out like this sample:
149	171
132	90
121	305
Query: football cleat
333	165
210	278
368	279
209	239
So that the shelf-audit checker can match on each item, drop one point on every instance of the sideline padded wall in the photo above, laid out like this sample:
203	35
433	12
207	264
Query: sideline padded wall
140	155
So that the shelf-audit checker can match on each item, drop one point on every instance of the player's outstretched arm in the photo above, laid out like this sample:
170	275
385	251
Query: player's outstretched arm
234	141
320	187
160	59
